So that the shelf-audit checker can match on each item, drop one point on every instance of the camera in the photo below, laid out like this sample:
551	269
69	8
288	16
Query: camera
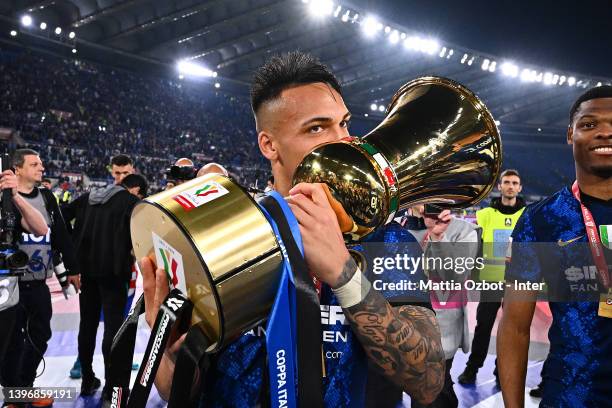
12	260
181	173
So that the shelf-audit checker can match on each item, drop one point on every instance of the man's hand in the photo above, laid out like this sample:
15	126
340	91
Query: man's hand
437	225
75	280
324	249
156	288
9	180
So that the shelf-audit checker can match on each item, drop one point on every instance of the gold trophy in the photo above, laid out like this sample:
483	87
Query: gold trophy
438	144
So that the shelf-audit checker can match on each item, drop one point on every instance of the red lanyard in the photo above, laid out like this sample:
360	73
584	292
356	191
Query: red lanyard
594	240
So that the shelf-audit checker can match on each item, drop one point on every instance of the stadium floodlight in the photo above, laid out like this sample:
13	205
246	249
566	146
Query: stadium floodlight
571	81
193	69
338	10
217	85
539	129
71	35
26	20
555	79
442	52
510	69
497	123
58	30
485	64
450	53
355	17
492	66
345	16
562	79
387	30
598	84
181	76
74	50
43	26
548	76
320	8
381	108
369	26
403	36
471	61
214	74
13	33
373	106
464	58
394	37
538	77
366	115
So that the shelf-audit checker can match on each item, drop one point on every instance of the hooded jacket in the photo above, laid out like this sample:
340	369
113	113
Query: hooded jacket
102	232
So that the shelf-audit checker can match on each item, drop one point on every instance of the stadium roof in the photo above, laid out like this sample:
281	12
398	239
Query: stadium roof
371	57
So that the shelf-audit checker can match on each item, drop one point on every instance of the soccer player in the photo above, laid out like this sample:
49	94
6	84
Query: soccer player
579	365
298	105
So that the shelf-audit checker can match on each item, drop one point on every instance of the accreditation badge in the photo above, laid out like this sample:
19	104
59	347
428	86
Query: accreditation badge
605	305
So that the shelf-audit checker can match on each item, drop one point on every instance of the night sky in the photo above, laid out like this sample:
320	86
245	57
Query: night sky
562	35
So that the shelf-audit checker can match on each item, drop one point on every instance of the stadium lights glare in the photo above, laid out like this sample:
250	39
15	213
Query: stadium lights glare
217	85
74	51
492	66
428	46
366	115
464	58
381	108
598	84
442	52
43	26
571	81
181	76
485	64
58	30
26	21
373	106
562	79
71	35
450	53
193	69
497	123
471	61
338	10
370	26
345	16
394	37
548	78
13	33
320	8
510	69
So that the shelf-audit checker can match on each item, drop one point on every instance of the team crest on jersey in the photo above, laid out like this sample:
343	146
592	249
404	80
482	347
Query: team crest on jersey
200	195
172	262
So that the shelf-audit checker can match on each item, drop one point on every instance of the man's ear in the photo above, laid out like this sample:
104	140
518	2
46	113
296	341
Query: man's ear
266	145
570	135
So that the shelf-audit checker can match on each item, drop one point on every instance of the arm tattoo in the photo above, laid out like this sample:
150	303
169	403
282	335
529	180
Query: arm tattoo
403	343
348	270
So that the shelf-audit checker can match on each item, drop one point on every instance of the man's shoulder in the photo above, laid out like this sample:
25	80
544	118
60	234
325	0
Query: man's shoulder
548	204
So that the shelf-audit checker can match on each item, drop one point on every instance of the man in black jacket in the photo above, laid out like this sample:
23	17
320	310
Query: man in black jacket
104	255
28	344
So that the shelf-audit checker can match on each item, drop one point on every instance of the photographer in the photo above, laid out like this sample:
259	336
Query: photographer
181	171
30	302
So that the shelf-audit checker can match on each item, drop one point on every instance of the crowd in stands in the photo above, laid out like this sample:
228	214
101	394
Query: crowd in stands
78	115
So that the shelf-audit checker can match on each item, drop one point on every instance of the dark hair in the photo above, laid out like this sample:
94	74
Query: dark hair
45	180
509	172
121	160
136	180
285	71
604	91
271	179
18	157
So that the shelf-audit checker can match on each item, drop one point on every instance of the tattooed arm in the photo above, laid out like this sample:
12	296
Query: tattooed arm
403	342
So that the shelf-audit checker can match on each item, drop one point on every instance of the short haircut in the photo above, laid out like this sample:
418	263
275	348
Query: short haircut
604	91
121	160
18	157
286	71
136	180
271	179
46	180
509	172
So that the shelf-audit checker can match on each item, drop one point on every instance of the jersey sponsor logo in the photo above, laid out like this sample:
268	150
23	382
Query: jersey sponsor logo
200	195
29	239
172	262
562	243
583	279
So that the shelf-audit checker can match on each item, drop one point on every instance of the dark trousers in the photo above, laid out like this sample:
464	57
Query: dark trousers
489	304
8	320
29	339
99	294
447	397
